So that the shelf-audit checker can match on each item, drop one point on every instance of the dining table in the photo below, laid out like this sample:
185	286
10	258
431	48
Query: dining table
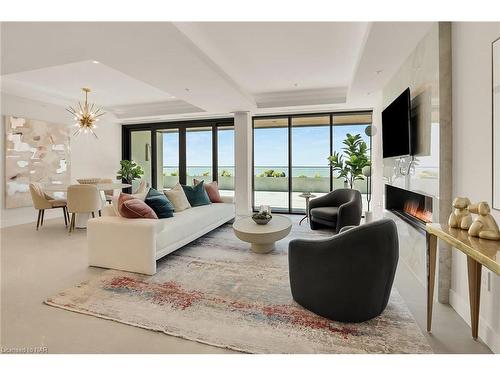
81	219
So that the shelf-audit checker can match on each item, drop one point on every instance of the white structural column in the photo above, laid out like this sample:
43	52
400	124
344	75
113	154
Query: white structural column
243	162
377	160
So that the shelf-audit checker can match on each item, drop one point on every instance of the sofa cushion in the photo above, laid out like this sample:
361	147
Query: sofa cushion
325	213
134	208
178	198
196	195
159	203
187	223
212	189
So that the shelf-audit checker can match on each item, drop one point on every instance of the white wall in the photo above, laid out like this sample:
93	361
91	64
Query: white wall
90	157
472	152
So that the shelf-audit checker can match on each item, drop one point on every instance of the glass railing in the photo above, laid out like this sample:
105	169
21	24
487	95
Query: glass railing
266	178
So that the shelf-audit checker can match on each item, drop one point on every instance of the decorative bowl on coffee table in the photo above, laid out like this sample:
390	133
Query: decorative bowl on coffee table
262	218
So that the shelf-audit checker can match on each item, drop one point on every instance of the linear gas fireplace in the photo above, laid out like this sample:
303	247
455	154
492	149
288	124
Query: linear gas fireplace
414	208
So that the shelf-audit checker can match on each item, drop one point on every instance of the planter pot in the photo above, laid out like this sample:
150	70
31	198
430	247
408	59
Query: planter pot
368	216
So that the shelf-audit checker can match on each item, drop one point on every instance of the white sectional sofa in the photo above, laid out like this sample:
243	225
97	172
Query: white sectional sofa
136	244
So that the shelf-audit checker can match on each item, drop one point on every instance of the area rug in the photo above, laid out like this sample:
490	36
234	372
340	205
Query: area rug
215	291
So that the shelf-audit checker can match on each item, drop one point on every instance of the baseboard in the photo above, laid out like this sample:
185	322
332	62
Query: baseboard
486	333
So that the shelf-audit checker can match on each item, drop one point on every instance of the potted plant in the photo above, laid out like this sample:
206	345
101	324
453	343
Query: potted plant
129	171
349	165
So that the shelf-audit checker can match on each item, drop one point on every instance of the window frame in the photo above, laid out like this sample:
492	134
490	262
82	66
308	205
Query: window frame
289	117
181	126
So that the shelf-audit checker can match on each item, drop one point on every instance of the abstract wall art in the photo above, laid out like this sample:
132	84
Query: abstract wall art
35	151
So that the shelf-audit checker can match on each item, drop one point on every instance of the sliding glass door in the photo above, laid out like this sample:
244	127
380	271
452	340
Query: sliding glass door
183	151
271	177
168	157
225	159
291	156
352	124
310	150
199	154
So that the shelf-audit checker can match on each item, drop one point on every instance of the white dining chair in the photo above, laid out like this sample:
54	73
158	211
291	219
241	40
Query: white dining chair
83	199
42	201
108	194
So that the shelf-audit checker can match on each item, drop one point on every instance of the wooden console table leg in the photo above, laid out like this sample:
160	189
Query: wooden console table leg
474	272
431	275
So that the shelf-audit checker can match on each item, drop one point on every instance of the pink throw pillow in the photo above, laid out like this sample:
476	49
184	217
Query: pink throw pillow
134	208
212	190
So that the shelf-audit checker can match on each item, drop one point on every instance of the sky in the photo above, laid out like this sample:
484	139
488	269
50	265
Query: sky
310	146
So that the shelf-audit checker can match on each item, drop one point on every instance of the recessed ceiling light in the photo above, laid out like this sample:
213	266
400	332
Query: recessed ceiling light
95	62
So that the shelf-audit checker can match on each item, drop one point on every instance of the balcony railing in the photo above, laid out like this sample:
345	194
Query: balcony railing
304	178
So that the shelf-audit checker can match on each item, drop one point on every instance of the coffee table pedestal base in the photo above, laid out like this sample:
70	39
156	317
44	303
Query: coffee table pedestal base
262	248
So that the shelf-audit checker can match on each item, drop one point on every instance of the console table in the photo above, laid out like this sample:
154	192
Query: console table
479	253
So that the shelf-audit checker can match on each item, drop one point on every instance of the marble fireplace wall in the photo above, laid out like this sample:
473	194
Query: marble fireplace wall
427	71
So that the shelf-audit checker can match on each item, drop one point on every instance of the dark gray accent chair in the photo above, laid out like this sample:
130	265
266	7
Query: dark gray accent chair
337	209
348	277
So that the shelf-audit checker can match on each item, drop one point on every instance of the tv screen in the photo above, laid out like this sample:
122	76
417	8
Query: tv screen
396	127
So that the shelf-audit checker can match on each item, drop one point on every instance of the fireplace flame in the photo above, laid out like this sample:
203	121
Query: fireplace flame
412	208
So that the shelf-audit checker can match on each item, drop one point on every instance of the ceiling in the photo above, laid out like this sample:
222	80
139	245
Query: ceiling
281	56
161	70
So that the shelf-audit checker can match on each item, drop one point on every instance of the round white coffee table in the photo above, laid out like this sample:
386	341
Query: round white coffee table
262	237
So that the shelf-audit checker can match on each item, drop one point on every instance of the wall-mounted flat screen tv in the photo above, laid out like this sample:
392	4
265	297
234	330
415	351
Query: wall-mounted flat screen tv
396	127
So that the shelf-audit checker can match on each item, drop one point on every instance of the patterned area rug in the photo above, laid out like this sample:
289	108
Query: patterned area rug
217	292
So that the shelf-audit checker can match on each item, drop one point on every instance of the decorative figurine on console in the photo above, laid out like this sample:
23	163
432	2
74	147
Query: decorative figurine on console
460	217
484	226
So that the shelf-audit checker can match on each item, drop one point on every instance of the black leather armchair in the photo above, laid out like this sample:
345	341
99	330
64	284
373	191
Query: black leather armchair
337	209
347	277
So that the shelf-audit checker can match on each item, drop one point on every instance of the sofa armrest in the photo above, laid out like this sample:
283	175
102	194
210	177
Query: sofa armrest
349	214
123	244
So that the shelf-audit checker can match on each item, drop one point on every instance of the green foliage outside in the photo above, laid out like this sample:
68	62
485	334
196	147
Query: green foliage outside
272	173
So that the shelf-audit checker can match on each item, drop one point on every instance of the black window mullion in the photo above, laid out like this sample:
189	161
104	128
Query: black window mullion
253	162
154	159
331	151
182	155
126	152
215	154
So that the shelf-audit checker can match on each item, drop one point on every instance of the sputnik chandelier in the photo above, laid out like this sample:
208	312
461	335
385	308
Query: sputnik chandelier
85	115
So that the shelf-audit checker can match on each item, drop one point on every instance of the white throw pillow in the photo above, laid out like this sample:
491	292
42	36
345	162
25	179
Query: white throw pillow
178	198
